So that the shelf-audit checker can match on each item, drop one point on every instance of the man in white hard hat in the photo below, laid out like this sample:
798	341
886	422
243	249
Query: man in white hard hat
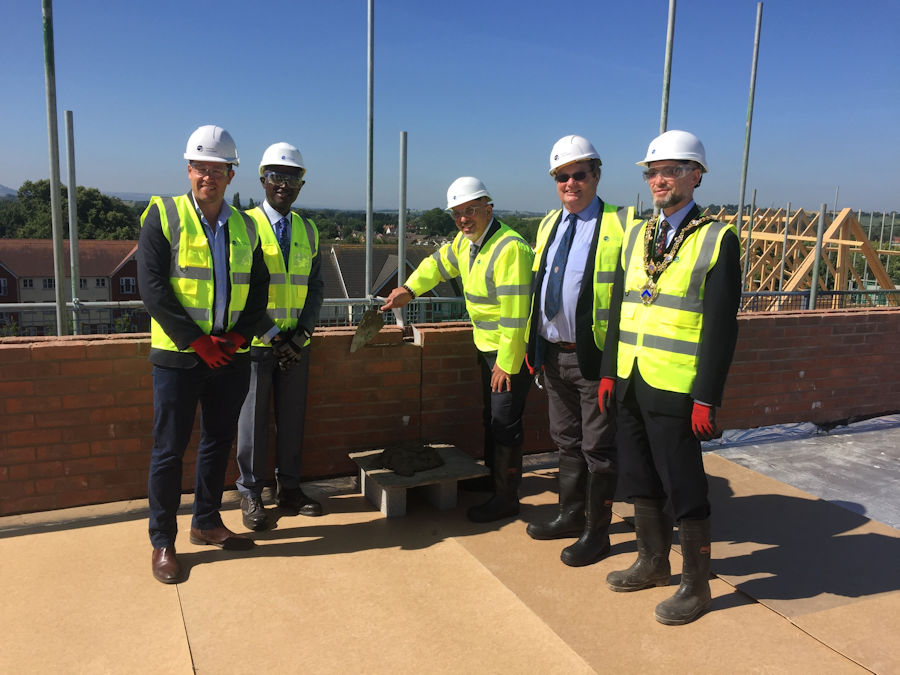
203	280
494	264
672	332
279	358
575	255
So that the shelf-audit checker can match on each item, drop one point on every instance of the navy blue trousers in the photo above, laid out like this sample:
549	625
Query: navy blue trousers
176	395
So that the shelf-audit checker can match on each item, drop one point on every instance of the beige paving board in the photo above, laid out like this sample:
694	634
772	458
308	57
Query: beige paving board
83	601
871	616
353	591
616	632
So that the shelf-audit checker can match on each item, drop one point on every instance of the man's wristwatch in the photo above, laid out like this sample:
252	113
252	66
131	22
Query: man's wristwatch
409	290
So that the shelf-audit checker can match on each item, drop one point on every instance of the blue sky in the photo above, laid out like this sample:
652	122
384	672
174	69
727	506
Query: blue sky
483	88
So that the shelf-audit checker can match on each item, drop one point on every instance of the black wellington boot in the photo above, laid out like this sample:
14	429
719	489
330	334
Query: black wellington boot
654	541
693	596
570	520
594	541
483	483
507	474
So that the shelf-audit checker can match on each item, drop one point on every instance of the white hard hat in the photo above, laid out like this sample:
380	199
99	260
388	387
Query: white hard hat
570	149
282	154
465	189
210	143
676	144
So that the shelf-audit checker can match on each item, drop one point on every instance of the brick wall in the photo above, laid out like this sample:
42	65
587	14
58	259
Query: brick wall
76	413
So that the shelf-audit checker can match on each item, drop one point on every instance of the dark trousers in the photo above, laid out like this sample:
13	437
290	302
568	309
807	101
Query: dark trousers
576	425
501	412
660	458
288	389
176	393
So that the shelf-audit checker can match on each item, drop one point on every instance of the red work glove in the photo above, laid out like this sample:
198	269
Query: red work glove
703	421
605	393
234	342
210	350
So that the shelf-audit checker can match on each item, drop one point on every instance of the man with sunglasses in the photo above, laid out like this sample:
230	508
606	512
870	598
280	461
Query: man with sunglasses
494	264
203	280
671	338
279	357
575	255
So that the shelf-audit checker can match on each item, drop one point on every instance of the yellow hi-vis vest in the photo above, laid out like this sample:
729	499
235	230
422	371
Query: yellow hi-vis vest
497	287
663	337
287	287
613	222
191	265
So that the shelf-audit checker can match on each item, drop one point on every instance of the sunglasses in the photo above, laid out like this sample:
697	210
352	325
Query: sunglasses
273	178
578	176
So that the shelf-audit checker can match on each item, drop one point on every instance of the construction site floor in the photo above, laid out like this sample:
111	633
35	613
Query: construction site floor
802	585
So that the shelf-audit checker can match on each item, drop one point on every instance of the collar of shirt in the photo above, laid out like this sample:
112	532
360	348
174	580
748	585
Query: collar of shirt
272	214
590	212
221	219
478	242
675	220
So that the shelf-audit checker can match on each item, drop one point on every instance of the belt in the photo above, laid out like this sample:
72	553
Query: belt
564	346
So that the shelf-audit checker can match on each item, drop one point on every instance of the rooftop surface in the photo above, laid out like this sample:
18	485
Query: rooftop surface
805	583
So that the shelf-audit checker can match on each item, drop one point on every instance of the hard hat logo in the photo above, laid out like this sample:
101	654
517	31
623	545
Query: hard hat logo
212	144
569	149
465	189
282	154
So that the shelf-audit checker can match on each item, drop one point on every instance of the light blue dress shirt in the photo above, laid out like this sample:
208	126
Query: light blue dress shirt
562	327
218	245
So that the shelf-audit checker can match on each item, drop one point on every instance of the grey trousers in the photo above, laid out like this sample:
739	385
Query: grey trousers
576	425
287	389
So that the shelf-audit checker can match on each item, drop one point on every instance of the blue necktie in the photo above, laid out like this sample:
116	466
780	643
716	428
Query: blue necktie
553	296
284	239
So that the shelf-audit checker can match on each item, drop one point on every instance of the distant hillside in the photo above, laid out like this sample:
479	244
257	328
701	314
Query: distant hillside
6	193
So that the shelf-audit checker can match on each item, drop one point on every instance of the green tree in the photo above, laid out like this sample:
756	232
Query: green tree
236	200
436	222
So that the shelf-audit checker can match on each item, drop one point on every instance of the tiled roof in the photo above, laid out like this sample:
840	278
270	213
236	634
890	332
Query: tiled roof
34	257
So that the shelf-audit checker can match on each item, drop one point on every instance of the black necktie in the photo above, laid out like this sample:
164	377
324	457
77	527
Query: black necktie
553	296
661	237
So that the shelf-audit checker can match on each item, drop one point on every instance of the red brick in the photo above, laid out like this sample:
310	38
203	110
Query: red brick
31	438
16	422
29	371
35	470
84	367
86	400
58	351
17	389
63	451
60	486
9	506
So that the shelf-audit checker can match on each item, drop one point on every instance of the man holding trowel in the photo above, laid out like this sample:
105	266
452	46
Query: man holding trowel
279	357
494	264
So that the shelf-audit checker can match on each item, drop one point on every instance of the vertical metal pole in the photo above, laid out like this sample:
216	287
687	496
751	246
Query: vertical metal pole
856	253
370	100
53	136
817	259
887	258
748	282
667	70
749	123
837	190
73	219
401	220
784	248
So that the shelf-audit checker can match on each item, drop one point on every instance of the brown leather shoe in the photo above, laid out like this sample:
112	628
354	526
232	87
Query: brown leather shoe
221	537
165	566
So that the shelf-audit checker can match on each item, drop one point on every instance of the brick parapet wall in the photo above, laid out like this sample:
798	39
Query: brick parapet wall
76	413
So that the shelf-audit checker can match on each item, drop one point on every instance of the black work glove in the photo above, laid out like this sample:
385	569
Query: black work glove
288	347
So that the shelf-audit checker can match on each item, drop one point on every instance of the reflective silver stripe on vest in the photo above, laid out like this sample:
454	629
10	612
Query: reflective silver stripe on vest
665	344
628	248
310	234
279	313
240	278
601	315
486	325
252	234
276	278
299	279
445	275
514	289
234	316
622	215
513	323
604	277
668	301
296	312
491	297
199	313
175	270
